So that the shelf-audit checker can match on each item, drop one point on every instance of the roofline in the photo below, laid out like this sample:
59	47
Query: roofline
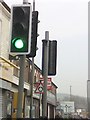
54	84
5	5
35	66
40	70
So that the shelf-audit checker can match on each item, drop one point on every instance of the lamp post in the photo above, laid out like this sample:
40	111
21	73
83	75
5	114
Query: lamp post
70	93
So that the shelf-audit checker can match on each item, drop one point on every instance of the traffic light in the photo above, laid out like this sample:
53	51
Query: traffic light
20	29
34	34
52	57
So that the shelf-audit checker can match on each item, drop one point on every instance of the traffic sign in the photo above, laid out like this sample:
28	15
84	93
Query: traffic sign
39	88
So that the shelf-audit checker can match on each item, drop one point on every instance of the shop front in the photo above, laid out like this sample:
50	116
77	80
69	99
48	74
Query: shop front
51	100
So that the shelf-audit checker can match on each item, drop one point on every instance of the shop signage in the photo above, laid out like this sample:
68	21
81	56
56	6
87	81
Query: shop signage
49	83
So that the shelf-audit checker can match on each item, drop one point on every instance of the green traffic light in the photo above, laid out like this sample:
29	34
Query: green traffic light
18	43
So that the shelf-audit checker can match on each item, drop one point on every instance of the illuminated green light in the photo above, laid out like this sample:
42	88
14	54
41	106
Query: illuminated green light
18	43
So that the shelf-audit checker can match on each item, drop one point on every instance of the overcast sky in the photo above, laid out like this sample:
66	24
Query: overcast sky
67	22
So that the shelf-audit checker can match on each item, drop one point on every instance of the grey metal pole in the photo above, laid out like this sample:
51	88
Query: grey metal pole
70	92
21	82
21	87
88	82
32	78
33	5
40	105
88	97
45	73
31	94
25	1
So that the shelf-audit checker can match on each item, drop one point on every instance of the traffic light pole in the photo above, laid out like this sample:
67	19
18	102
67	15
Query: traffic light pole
21	82
21	87
25	1
31	91
32	78
45	73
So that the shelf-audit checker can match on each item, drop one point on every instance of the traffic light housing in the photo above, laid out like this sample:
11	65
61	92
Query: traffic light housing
20	29
34	34
52	57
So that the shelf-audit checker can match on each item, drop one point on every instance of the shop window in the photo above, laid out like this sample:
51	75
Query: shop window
9	108
27	73
16	72
34	79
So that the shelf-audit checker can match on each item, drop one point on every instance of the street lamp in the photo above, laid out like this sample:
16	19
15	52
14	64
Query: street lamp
70	92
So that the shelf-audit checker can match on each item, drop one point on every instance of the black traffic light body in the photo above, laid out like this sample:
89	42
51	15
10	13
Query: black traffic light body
21	16
52	57
34	34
